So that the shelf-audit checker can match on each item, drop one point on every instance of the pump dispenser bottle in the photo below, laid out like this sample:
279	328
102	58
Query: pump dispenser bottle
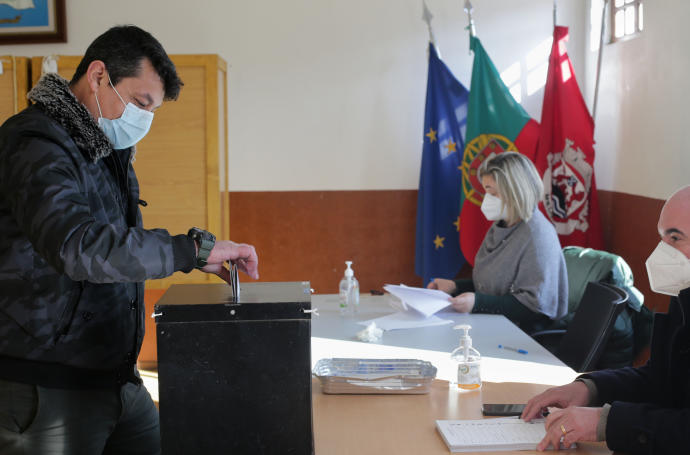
349	291
467	360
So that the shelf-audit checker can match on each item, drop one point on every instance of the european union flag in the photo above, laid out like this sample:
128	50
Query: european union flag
437	253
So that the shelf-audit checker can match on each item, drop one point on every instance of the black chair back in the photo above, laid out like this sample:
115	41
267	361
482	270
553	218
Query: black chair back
587	334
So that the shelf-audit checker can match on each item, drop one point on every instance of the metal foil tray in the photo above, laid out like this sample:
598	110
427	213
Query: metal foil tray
374	375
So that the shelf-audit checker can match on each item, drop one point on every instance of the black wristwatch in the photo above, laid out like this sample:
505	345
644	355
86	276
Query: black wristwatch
204	241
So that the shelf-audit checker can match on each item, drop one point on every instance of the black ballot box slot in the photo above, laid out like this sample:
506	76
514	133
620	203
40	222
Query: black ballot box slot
235	374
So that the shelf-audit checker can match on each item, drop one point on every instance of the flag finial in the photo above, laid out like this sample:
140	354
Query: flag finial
470	21
426	17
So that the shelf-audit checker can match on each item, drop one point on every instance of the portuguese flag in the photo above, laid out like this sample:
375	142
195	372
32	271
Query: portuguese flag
495	123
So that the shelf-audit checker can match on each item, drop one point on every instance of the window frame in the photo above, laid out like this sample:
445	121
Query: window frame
636	4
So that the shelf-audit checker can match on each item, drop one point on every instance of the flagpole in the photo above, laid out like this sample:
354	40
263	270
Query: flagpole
601	49
555	9
470	21
426	17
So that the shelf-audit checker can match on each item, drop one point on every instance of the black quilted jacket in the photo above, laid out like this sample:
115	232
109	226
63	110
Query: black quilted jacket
73	253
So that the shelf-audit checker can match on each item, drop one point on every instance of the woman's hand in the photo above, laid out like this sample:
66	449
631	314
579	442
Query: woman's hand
463	303
447	286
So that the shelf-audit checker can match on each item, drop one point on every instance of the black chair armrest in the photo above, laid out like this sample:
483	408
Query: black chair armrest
549	339
543	333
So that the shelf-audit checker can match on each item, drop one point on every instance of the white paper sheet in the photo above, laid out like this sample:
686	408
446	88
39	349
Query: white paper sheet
426	301
406	320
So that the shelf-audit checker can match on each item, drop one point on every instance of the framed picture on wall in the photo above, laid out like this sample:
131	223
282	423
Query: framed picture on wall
32	21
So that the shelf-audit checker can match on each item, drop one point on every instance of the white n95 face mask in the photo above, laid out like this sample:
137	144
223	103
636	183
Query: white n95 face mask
668	270
493	208
129	128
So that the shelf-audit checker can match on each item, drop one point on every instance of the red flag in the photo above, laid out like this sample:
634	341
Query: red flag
565	153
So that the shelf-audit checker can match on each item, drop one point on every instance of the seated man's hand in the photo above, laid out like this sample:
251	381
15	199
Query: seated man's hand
447	286
571	424
241	254
573	394
463	303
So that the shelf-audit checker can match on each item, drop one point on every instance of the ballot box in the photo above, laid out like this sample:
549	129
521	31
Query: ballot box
235	373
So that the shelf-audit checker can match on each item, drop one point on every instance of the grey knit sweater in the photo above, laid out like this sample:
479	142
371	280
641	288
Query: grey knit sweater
526	261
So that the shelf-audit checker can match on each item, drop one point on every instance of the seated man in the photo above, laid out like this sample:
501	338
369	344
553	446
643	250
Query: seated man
646	409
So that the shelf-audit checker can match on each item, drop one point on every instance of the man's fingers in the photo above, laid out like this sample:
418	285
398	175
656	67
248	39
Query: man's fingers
570	439
556	439
549	440
224	273
249	261
554	420
250	268
530	411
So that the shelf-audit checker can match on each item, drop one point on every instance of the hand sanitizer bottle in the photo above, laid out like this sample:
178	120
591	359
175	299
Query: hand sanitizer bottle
349	291
467	359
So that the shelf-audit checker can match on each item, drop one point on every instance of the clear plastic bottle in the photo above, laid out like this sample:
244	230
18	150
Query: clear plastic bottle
349	291
467	359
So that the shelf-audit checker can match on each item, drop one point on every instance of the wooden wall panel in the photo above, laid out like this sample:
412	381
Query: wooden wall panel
308	235
148	356
67	65
630	231
14	85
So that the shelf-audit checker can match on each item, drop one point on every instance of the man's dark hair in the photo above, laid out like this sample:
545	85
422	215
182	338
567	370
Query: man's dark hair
122	49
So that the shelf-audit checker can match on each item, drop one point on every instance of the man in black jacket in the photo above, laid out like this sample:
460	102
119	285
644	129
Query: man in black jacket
638	410
74	254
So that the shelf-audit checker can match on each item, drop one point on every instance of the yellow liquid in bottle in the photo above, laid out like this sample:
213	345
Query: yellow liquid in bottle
469	386
469	377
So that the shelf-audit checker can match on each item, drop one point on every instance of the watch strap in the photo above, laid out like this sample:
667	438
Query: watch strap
205	242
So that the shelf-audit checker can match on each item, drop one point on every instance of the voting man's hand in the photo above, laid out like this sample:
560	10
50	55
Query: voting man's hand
573	394
463	303
571	425
241	254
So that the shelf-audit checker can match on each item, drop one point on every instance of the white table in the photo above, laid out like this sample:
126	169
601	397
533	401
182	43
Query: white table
334	335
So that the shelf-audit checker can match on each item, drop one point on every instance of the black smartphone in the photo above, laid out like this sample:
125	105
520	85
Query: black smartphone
493	409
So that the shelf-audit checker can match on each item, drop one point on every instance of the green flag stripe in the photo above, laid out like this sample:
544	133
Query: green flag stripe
492	109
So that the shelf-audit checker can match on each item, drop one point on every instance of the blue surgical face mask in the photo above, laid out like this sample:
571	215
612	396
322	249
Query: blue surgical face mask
127	130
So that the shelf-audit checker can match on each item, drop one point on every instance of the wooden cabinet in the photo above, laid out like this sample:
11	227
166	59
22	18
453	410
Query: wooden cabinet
182	162
14	85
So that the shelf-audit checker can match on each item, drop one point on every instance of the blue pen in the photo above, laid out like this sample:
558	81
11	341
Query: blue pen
519	351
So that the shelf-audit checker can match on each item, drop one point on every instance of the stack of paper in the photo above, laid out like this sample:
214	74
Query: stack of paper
490	435
420	306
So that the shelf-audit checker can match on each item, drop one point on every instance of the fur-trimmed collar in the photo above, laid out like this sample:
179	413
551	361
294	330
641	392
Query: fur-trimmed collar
54	97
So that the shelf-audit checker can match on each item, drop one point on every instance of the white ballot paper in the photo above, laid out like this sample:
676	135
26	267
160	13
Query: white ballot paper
405	320
426	301
420	305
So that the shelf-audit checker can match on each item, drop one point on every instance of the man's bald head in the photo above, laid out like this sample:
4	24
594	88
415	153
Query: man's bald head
674	221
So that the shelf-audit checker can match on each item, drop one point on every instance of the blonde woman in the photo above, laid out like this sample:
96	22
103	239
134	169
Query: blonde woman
519	270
